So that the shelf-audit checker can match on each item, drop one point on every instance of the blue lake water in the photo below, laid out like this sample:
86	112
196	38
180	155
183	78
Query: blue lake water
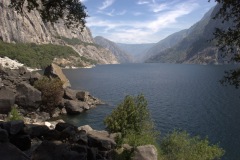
185	97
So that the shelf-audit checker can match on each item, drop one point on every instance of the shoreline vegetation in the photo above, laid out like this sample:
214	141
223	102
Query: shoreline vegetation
40	56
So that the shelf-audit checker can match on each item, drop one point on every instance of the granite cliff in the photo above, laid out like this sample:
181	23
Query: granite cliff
122	56
29	28
194	45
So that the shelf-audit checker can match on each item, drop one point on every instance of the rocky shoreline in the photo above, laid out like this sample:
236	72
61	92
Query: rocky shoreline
16	88
21	141
37	138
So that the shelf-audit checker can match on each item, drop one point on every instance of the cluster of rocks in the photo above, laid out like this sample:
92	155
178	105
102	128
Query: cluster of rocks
36	139
16	88
21	141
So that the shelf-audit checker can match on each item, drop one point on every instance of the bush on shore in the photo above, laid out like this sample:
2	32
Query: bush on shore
132	119
52	92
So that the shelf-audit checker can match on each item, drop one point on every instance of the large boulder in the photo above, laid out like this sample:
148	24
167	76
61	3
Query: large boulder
3	135
11	152
36	130
82	96
56	150
147	152
101	140
54	71
62	126
70	94
23	142
13	127
75	107
28	96
7	98
34	77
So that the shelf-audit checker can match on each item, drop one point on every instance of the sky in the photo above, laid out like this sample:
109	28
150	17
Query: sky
142	21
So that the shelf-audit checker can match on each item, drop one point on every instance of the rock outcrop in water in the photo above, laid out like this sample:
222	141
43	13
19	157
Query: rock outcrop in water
17	88
15	28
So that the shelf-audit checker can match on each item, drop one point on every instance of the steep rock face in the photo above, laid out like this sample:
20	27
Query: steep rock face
30	28
166	43
196	47
121	56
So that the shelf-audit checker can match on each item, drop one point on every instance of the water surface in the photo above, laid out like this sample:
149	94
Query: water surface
185	97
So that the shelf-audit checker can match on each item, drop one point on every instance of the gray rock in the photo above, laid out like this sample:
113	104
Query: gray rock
36	130
11	152
62	126
7	98
81	137
55	151
34	77
70	94
54	71
75	107
82	96
28	96
1	83
101	140
23	142
13	127
63	111
22	70
3	135
52	135
148	152
56	113
86	128
38	117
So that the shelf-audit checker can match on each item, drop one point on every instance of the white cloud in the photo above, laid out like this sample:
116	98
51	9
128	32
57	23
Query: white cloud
141	2
106	4
121	13
113	13
142	31
137	13
159	7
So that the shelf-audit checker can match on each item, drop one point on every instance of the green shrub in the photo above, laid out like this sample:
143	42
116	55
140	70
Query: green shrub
14	114
180	146
52	92
131	115
133	120
76	41
33	55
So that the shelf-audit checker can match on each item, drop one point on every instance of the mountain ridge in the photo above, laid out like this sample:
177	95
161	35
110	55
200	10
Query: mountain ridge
121	56
197	47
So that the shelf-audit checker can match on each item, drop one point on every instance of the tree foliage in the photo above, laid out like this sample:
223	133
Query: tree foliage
38	56
179	145
228	40
14	114
71	11
130	116
52	93
132	119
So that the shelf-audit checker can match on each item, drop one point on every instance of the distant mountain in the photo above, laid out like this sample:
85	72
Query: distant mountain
166	43
193	45
121	55
137	51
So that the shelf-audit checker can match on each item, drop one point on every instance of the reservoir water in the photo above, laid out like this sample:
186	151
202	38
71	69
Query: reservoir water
184	97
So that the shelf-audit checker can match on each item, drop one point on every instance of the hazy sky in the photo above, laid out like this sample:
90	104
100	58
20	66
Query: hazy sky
142	21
